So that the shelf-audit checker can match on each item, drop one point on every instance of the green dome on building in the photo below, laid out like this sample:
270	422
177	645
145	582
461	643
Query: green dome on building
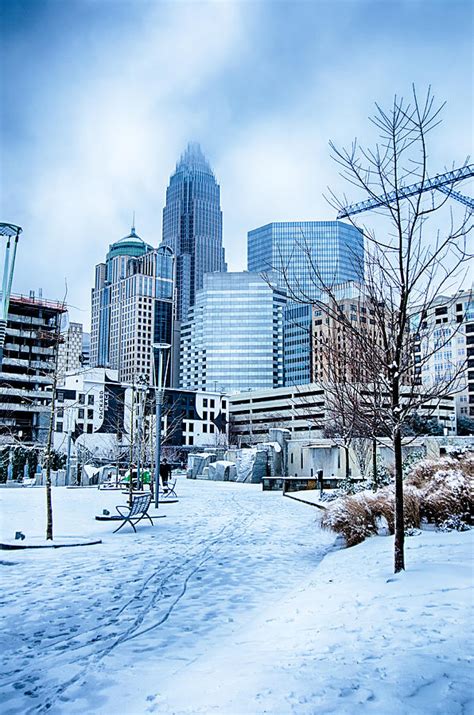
131	245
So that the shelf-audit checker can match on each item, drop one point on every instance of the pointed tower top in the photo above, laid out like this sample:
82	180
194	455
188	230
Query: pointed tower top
193	159
133	224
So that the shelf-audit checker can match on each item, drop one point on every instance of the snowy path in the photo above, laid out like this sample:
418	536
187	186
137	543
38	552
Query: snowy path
80	621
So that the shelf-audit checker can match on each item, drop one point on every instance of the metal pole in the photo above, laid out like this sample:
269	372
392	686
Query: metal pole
159	398
139	438
68	462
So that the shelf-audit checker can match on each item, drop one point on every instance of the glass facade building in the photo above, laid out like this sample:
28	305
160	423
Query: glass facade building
233	339
192	225
306	254
132	307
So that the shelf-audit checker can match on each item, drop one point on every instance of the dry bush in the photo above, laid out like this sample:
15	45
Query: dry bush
350	517
449	493
355	517
434	491
424	470
466	464
382	504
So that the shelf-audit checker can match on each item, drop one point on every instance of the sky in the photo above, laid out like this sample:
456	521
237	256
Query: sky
100	97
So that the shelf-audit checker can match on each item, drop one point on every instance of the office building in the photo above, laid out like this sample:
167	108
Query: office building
233	339
71	349
104	416
345	331
132	307
307	255
303	411
192	225
444	348
29	364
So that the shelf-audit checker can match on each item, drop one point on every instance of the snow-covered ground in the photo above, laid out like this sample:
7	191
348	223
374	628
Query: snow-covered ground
235	603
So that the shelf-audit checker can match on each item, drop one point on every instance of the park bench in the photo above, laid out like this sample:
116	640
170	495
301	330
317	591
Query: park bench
136	512
170	489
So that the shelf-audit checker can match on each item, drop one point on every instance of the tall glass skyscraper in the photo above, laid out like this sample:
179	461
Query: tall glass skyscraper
233	340
132	307
192	225
307	254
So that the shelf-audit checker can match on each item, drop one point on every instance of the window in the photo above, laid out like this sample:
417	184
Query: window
89	429
211	428
204	428
90	399
59	426
80	414
61	412
82	399
90	414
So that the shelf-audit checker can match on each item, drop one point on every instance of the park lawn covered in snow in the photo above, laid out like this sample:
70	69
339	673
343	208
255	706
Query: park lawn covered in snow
235	603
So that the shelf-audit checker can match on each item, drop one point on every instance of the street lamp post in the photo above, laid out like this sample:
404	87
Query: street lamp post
142	388
159	351
12	234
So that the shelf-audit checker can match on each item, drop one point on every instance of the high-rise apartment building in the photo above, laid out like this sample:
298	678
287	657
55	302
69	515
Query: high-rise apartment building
192	225
337	355
233	339
71	350
307	254
132	307
444	347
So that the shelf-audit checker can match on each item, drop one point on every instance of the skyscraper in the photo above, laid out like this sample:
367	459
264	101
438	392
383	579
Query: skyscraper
233	339
132	307
307	254
192	225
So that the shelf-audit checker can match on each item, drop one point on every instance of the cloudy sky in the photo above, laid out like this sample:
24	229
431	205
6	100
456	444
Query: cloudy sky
99	98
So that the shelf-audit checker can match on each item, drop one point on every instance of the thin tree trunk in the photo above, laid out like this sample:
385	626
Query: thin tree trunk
346	449
399	552
374	463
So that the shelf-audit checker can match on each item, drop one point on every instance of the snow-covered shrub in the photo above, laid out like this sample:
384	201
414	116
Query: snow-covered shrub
421	473
410	460
454	523
350	517
382	504
383	477
359	516
436	491
448	493
466	464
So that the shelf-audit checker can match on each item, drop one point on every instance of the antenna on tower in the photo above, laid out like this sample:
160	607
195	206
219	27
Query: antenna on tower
133	222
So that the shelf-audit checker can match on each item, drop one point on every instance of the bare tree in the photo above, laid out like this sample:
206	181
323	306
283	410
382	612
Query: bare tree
405	269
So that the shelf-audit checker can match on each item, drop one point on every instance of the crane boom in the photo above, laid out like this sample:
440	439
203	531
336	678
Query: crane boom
440	182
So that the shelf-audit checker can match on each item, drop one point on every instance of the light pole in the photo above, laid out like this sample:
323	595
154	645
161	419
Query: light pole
142	389
12	234
159	351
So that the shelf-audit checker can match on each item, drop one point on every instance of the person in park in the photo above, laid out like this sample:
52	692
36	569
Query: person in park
165	472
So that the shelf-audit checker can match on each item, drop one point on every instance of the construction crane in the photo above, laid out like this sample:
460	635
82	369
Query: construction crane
440	182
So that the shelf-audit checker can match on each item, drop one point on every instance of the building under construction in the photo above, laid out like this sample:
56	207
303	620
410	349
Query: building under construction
29	363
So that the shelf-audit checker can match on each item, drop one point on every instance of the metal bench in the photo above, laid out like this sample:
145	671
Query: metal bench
170	489
136	512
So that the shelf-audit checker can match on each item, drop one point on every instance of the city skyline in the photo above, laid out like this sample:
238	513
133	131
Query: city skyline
100	98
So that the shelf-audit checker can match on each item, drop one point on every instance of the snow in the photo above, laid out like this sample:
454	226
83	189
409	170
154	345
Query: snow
236	603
